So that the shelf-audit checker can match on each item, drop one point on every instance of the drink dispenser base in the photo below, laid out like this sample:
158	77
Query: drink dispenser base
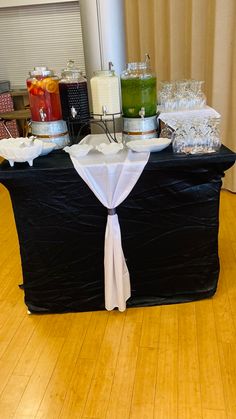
54	131
139	128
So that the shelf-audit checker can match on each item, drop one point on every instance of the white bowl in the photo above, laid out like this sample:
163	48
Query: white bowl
96	139
47	148
20	150
78	150
150	145
111	148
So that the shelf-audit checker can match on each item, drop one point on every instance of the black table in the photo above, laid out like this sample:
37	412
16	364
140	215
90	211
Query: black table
169	227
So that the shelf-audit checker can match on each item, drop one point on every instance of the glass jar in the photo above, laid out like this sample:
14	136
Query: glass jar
196	89
138	90
166	99
73	94
105	92
44	98
182	95
197	136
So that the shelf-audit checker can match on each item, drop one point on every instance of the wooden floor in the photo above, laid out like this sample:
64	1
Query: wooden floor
165	362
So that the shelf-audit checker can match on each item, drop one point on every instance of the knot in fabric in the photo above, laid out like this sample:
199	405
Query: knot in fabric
111	211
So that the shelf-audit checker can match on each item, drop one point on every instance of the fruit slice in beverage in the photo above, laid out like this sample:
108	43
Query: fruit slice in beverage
50	85
35	88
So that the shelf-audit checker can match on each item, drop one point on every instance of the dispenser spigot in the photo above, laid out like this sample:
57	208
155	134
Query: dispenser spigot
142	112
73	112
110	65
42	114
147	59
104	110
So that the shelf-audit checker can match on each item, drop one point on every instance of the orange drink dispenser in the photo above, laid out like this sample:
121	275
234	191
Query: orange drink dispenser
44	99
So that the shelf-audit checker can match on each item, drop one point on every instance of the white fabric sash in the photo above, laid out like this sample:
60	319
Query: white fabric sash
111	178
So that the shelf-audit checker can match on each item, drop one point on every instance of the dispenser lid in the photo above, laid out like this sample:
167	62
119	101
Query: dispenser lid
41	71
71	71
142	65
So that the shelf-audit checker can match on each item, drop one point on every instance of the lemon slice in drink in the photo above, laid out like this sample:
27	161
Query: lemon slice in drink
50	85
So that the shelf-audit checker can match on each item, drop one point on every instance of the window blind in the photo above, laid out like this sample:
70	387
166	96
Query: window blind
46	34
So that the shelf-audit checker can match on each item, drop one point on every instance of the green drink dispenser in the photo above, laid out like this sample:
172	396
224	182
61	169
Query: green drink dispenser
138	91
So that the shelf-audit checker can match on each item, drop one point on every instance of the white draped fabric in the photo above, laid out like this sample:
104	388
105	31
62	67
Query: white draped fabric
111	178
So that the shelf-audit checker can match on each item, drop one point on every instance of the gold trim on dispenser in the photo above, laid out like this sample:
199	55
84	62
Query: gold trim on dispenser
139	133
52	136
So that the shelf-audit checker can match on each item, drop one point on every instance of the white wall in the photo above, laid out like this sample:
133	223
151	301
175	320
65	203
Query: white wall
13	3
42	34
103	28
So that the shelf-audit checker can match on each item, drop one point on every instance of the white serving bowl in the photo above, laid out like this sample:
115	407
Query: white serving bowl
20	150
78	150
47	148
96	139
150	145
111	148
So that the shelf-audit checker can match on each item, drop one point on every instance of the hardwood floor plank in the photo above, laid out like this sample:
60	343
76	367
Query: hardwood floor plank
11	322
94	335
228	370
123	383
189	412
214	414
38	382
212	393
135	314
57	388
14	349
142	405
231	414
166	397
47	327
11	395
224	316
99	393
78	389
150	327
189	388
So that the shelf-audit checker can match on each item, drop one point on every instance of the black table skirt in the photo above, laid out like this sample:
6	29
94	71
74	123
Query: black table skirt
169	226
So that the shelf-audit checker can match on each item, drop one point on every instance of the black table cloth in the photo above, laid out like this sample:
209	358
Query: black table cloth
169	227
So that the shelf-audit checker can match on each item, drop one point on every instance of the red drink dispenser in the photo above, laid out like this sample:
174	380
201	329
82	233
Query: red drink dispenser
44	95
45	106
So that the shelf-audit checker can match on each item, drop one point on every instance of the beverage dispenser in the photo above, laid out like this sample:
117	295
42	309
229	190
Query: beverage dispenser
139	101
105	91
74	99
45	106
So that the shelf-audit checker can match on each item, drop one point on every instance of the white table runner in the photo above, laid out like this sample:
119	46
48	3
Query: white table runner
111	178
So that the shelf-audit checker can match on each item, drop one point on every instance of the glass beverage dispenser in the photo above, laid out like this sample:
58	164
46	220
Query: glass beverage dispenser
139	101
44	95
45	107
105	91
138	89
74	98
